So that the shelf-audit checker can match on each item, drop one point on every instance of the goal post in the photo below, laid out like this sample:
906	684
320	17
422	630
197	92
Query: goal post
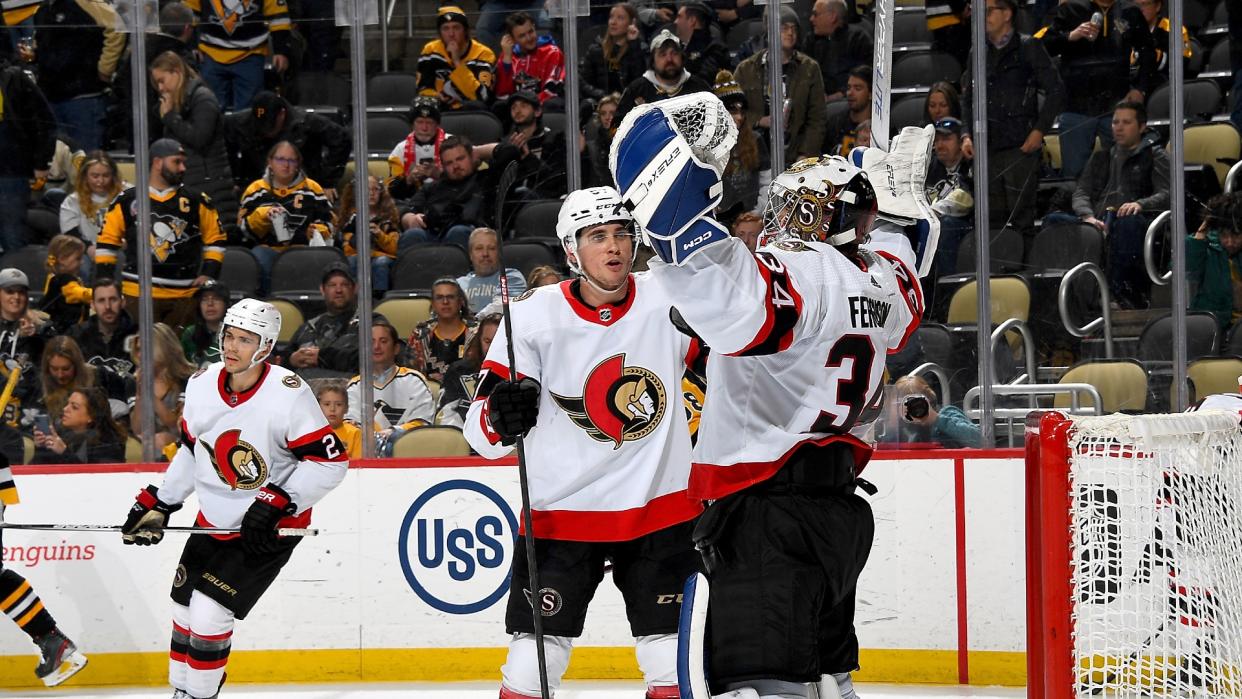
1134	555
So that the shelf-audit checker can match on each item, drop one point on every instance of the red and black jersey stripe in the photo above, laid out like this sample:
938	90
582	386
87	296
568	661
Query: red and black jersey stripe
320	445
911	292
209	652
783	305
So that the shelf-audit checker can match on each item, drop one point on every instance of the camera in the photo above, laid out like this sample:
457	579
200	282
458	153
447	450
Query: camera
915	407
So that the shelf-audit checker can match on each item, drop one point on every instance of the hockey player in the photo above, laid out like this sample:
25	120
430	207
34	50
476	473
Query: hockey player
258	453
59	657
799	332
599	365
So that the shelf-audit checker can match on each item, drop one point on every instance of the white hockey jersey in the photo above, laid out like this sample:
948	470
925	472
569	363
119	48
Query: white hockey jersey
402	400
232	444
799	335
610	456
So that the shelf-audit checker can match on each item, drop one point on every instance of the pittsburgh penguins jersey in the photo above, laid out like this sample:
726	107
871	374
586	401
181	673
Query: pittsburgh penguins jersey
230	30
232	444
610	455
799	336
307	213
186	241
402	400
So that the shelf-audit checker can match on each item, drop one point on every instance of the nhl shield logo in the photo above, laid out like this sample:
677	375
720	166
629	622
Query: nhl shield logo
619	403
238	464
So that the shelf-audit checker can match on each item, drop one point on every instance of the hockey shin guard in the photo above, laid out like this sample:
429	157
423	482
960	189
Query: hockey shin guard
179	648
211	638
20	603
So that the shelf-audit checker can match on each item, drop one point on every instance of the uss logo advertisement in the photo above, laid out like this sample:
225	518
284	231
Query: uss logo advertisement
456	546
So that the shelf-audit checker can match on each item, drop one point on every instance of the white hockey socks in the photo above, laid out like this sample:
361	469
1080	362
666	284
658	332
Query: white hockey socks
520	673
209	640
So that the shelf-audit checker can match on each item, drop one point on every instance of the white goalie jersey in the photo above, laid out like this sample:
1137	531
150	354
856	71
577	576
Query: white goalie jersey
799	335
232	444
609	458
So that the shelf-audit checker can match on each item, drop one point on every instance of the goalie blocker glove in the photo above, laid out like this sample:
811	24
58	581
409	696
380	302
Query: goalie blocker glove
513	408
147	518
258	528
668	158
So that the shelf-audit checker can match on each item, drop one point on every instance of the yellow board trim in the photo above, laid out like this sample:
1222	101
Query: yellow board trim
465	664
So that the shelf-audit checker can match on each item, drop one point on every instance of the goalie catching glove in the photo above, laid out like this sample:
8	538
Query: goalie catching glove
258	528
147	518
668	158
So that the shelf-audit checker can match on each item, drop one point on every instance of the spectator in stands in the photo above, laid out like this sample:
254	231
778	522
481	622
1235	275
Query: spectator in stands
943	100
65	300
543	275
666	78
170	370
62	174
913	413
748	163
805	118
950	186
616	58
436	343
200	341
598	135
102	336
747	226
189	113
176	34
452	206
82	212
836	45
705	55
324	144
730	12
383	228
493	13
1214	260
316	22
949	24
1019	73
334	402
403	401
283	209
841	134
455	68
233	39
864	134
538	151
460	381
1129	184
63	370
187	244
84	433
79	45
27	144
530	63
1158	25
1095	61
482	283
329	341
415	161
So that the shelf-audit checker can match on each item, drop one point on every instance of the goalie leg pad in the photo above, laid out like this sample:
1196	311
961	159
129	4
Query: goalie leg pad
520	673
692	639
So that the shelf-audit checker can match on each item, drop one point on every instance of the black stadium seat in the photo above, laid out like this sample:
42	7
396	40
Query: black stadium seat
1155	343
32	260
526	256
323	88
537	219
419	266
925	68
1202	99
479	127
299	270
908	111
391	90
385	131
240	273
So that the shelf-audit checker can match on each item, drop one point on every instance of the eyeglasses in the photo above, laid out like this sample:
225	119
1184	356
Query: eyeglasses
600	238
286	161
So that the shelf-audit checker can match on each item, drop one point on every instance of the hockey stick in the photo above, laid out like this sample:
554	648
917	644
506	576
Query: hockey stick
532	570
110	528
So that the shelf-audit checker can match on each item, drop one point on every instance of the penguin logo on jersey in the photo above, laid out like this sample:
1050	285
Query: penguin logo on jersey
236	461
619	403
166	234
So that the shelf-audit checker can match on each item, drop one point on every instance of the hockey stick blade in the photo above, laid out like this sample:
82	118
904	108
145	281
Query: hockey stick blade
109	528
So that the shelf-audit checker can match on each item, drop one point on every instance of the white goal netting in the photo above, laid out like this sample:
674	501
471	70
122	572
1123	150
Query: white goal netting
1156	555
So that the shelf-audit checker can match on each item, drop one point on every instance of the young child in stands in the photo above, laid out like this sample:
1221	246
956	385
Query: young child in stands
334	402
65	299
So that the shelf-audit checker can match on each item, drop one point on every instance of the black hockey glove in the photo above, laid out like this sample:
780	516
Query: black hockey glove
148	516
258	528
513	408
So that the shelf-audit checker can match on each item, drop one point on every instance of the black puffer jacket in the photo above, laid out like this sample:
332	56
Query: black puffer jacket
601	77
199	128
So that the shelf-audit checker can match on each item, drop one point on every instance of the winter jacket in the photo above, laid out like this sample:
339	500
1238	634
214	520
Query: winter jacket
336	336
705	55
1114	177
542	72
542	169
324	144
839	52
77	42
27	140
601	76
1210	269
198	126
106	351
647	89
1100	70
1018	73
446	203
954	430
804	88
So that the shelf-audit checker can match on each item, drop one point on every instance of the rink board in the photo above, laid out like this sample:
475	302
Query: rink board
408	579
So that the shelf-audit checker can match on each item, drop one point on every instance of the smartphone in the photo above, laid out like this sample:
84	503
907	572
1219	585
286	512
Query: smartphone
426	161
41	424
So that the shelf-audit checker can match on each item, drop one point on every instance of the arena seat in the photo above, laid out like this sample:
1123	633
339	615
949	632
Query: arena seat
404	313
299	270
28	449
1155	343
31	259
435	388
1217	66
907	111
525	256
1121	383
323	89
537	219
924	68
430	442
743	31
479	127
419	266
1060	247
1010	297
133	451
1216	145
1004	251
393	89
1201	98
291	318
384	131
1210	375
240	272
910	29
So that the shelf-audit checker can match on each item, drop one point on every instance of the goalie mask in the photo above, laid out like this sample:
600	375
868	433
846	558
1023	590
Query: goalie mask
826	199
585	208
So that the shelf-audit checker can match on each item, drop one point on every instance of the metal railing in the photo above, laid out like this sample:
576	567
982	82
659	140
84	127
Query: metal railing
1149	250
1076	392
941	375
1105	320
1233	179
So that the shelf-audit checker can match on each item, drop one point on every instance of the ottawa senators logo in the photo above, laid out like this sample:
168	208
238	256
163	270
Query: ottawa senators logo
236	461
619	403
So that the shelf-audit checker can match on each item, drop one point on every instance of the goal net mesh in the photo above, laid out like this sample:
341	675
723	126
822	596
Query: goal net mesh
1156	555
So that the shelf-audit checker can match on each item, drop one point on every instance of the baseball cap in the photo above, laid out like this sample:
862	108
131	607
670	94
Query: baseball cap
663	38
11	277
166	147
335	268
949	125
526	96
265	107
213	287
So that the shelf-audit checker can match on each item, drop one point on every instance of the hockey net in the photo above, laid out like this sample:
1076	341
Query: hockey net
1134	556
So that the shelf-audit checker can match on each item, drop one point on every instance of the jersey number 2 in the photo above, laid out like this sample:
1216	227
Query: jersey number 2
851	390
